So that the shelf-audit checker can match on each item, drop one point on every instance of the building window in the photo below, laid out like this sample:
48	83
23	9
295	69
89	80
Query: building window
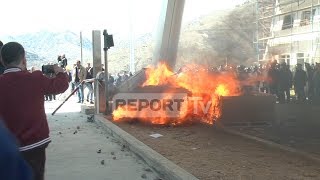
300	58
305	18
285	59
287	22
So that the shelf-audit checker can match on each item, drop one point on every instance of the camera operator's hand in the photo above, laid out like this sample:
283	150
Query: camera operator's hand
57	69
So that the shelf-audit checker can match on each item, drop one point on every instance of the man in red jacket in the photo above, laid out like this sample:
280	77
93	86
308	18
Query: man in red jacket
22	104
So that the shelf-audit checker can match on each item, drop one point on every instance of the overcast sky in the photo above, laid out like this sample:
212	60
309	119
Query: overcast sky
21	16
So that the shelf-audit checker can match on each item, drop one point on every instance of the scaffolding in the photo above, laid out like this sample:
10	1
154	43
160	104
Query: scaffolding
289	29
264	14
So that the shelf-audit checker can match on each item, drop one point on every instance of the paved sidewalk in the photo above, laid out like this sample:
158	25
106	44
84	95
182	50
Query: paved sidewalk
74	153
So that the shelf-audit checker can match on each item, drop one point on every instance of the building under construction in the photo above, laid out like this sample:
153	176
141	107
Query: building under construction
288	31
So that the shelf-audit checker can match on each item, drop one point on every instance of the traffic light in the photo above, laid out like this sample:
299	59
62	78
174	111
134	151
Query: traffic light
108	40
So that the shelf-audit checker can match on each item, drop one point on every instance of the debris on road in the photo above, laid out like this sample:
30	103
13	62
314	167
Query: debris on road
75	132
99	151
156	135
144	176
90	118
148	169
123	147
102	162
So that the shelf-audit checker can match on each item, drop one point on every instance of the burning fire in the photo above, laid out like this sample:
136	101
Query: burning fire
203	85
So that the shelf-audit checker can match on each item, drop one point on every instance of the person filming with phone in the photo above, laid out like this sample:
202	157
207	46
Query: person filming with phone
22	104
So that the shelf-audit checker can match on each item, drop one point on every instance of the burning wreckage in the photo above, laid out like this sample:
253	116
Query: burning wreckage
157	95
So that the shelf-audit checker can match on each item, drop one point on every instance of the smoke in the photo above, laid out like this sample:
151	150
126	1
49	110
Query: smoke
214	41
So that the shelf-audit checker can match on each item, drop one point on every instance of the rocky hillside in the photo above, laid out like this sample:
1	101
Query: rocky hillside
220	38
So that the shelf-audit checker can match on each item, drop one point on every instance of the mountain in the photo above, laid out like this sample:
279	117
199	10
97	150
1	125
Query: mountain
50	44
33	60
44	46
210	40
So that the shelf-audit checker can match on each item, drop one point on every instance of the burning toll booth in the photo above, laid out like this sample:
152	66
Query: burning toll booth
159	96
162	105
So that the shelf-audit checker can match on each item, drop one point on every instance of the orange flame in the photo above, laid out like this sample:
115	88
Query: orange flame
207	87
158	76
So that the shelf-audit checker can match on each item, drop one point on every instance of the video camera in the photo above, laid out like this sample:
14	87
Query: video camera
47	69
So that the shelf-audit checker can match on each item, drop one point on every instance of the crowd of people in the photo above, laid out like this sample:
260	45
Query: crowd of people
82	77
299	83
120	77
79	77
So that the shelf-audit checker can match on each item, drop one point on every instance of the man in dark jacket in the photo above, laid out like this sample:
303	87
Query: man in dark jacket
89	85
299	82
285	83
273	79
310	85
22	104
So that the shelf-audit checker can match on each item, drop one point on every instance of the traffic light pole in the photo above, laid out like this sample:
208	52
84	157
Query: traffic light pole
106	73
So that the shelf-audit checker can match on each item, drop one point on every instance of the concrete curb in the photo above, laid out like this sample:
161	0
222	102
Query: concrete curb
271	144
164	167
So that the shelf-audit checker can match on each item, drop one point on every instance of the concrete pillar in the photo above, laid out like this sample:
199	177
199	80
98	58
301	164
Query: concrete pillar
96	48
168	32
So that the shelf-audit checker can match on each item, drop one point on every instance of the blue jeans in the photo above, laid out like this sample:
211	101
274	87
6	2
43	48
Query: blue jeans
90	93
80	91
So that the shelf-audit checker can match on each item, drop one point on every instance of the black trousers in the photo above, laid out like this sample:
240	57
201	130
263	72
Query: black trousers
36	158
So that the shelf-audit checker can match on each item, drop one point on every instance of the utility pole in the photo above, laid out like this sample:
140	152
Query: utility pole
132	55
81	47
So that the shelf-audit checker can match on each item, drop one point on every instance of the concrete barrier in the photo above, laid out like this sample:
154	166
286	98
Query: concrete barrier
294	114
247	110
87	109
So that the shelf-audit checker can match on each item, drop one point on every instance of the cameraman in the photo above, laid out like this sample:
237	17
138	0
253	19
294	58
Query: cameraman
22	104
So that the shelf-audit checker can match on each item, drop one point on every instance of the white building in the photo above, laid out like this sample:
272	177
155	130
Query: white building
294	33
